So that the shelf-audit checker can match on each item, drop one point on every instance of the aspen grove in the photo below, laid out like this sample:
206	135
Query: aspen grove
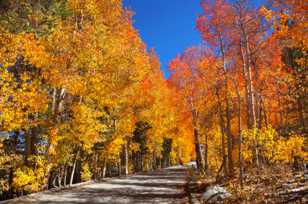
82	97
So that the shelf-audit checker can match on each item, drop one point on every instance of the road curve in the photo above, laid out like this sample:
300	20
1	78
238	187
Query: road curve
164	186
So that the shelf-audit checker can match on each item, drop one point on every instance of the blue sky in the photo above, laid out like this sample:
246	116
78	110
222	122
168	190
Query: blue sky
168	26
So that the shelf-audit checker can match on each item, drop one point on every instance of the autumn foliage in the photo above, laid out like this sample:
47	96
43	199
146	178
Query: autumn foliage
81	96
246	85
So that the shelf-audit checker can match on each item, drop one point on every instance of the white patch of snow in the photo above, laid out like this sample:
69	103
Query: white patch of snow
192	164
176	167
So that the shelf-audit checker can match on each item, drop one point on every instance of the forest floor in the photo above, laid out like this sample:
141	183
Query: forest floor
275	185
163	186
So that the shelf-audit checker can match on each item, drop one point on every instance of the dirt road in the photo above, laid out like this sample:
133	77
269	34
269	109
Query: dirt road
164	186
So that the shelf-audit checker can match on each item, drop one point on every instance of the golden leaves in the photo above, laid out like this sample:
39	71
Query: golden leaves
32	179
272	146
88	81
268	14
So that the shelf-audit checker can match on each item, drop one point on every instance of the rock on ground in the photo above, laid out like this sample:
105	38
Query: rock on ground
215	193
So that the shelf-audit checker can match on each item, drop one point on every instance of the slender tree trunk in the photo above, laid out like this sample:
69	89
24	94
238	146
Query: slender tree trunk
199	159
222	130
301	112
239	124
250	85
28	150
167	148
264	112
244	73
247	72
74	168
280	106
54	101
108	169
206	165
228	115
247	69
34	140
53	115
60	178
65	176
104	168
54	182
159	163
10	182
94	165
229	139
126	158
154	163
120	166
260	110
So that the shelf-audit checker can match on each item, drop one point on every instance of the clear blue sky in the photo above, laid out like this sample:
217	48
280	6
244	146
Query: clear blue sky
168	26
